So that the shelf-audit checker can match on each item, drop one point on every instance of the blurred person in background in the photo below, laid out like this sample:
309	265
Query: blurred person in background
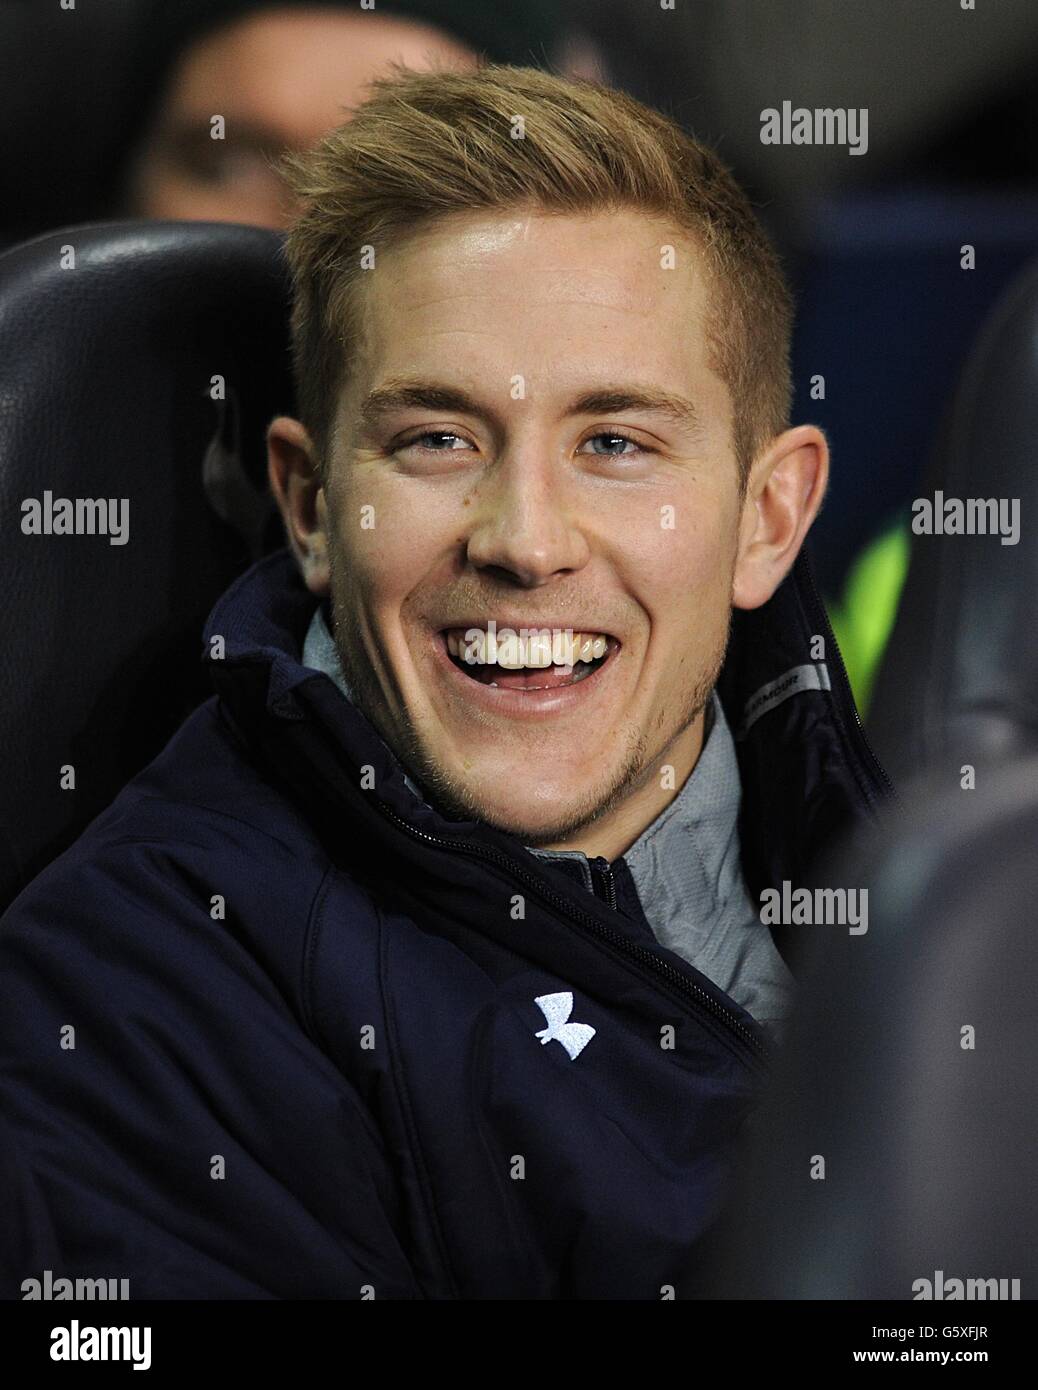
280	77
108	112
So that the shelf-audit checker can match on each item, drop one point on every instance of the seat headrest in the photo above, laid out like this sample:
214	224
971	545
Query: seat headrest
139	366
959	682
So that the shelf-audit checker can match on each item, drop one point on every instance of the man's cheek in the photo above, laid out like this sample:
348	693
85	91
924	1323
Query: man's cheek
684	577
373	538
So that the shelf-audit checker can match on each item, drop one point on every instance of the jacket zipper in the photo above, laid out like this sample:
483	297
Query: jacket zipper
632	950
606	870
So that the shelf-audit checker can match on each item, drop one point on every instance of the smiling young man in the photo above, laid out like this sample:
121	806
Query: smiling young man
532	428
427	959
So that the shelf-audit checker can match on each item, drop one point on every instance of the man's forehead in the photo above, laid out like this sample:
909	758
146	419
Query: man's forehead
619	297
608	242
487	272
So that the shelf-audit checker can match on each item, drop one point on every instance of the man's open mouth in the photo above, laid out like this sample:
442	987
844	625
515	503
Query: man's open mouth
549	659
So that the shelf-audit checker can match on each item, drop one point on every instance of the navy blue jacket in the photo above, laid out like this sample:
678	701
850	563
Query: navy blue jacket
306	1059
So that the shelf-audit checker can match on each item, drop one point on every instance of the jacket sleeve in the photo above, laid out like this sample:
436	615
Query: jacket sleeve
164	1115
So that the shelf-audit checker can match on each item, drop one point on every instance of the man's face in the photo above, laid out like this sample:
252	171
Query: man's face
514	499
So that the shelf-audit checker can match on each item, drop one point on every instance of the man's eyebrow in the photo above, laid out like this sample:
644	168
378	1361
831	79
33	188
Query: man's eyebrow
414	395
614	400
610	400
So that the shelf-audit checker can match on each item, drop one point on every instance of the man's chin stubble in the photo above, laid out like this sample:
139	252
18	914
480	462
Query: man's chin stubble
456	801
637	769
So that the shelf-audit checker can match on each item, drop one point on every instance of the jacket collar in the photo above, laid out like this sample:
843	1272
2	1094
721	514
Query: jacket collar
707	804
806	769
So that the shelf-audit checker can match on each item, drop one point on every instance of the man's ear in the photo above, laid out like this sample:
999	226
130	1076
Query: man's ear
296	484
783	494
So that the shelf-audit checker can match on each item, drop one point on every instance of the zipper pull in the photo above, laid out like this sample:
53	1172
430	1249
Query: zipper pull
605	870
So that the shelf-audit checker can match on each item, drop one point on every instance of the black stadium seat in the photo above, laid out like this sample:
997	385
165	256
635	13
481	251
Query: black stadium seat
959	681
910	1073
112	338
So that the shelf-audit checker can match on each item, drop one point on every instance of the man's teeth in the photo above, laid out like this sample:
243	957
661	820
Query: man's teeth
512	652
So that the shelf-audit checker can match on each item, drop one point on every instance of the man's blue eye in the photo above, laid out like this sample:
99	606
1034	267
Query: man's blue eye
434	441
433	434
613	439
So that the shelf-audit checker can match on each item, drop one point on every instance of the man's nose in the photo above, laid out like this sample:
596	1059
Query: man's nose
525	524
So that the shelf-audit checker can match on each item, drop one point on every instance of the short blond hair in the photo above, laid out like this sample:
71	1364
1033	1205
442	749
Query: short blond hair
427	144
